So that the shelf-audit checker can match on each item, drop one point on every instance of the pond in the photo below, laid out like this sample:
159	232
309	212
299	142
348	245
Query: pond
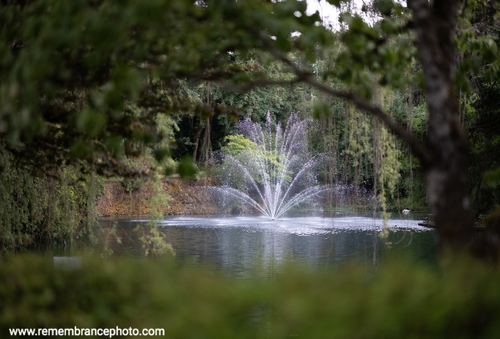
240	245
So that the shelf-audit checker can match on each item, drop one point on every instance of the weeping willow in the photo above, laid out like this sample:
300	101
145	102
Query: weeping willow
39	207
330	130
359	143
371	144
153	240
386	157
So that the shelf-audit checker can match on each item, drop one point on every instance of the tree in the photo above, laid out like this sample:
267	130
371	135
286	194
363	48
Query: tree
444	155
82	81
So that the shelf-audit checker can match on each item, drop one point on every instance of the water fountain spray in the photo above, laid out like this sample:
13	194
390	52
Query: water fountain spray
278	172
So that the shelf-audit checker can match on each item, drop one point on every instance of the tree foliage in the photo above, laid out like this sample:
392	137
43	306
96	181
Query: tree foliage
90	83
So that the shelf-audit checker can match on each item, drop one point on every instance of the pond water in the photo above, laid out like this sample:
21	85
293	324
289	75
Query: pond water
240	245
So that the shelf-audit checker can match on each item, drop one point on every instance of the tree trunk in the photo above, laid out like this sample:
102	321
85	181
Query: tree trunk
445	171
205	148
197	141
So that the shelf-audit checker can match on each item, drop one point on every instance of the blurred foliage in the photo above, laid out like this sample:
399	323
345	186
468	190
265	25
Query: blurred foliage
38	208
379	47
153	240
84	81
492	178
399	299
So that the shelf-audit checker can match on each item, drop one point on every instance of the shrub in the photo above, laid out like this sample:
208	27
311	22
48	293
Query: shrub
399	300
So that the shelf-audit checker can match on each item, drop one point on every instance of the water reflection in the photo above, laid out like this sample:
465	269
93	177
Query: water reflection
239	244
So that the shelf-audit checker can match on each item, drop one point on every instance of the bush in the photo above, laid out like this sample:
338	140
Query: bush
399	300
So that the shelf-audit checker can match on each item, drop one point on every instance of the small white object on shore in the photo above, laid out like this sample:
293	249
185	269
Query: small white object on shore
406	211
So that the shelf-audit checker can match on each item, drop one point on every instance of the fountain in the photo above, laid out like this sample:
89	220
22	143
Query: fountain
276	167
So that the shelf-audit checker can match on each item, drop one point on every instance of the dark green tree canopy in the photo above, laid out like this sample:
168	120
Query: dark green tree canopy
84	80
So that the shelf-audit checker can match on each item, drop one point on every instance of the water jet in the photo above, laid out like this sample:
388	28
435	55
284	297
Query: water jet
277	168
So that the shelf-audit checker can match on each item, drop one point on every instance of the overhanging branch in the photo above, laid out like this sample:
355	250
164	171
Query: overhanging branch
417	148
397	129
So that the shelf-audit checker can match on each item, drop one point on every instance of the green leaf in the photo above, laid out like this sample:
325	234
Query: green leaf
320	110
150	138
81	150
389	26
462	81
488	77
114	99
492	178
336	3
114	145
168	171
147	138
475	65
489	51
91	122
161	153
187	169
384	6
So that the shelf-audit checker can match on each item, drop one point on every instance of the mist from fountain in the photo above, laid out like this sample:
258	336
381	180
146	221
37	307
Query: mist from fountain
276	169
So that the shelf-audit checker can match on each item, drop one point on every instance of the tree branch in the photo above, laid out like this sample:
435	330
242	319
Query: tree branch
397	129
417	148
